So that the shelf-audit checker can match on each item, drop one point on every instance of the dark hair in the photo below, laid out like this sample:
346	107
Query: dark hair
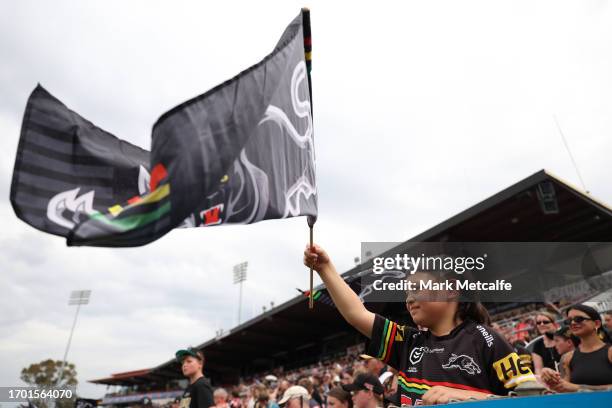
593	314
468	306
341	395
588	310
474	311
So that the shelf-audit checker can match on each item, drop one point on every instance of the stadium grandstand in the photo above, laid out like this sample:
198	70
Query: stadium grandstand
539	208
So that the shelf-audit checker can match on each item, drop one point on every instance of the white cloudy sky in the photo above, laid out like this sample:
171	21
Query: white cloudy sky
422	108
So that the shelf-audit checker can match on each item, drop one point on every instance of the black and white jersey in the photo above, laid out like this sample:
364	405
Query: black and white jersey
471	357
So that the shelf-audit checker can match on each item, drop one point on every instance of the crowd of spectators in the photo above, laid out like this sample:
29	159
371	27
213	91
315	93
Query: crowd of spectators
321	383
551	332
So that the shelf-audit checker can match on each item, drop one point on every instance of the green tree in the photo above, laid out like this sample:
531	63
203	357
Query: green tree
45	375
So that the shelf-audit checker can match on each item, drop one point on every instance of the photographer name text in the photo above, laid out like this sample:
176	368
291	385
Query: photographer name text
496	285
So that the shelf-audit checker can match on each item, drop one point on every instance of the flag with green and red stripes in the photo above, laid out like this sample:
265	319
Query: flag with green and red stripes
240	153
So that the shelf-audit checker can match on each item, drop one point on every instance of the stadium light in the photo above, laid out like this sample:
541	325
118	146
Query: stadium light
77	297
240	273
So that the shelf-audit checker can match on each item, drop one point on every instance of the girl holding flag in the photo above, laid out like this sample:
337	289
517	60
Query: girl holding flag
457	357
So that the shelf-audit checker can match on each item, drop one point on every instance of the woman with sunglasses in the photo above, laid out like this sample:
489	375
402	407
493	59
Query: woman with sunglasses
458	357
544	353
590	364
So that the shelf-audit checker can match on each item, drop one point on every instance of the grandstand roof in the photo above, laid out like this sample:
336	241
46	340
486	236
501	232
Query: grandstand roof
126	378
539	208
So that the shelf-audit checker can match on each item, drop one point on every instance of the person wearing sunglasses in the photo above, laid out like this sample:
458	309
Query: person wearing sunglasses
544	353
590	364
366	391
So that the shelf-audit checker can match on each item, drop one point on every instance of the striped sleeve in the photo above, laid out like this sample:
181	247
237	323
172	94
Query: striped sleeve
386	341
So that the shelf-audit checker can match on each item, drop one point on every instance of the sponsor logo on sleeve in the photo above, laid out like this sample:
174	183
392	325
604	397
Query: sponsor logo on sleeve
511	370
487	336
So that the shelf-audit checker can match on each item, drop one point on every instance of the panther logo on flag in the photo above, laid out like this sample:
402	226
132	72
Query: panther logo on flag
66	208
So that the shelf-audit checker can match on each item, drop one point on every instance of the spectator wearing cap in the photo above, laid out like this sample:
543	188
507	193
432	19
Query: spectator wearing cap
564	343
262	398
366	391
198	393
295	397
271	381
338	398
389	382
590	364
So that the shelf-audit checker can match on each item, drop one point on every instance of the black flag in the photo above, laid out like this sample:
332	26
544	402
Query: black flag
240	153
67	169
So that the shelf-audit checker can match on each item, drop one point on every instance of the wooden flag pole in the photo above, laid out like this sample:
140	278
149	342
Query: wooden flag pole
310	294
311	219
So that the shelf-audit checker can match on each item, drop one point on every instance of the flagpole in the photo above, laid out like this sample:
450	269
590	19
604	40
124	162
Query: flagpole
311	221
308	58
310	294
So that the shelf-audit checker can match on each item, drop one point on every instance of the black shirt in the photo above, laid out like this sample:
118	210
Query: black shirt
592	368
550	356
471	357
198	395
